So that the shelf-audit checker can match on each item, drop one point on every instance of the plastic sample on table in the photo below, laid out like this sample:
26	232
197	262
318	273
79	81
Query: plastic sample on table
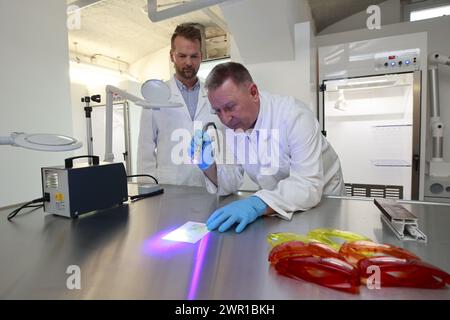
189	232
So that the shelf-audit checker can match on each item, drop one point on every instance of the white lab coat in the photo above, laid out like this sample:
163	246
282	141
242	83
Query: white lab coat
294	164
159	130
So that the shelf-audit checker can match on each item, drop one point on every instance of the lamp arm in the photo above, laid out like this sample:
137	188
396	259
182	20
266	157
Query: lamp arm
6	140
157	104
110	91
438	58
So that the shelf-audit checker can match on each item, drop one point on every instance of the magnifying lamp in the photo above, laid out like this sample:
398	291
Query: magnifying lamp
156	95
156	92
41	141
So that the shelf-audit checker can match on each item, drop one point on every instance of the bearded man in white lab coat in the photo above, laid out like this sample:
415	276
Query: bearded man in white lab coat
293	163
161	151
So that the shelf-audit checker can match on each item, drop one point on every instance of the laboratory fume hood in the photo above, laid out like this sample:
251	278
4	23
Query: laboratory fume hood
370	111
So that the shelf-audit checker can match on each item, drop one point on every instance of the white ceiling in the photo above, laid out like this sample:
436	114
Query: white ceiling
327	12
122	30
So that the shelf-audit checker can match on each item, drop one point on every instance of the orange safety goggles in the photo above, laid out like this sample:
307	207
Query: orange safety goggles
315	262
355	251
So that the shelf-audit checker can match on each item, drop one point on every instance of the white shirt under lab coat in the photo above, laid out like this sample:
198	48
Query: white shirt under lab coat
169	131
286	155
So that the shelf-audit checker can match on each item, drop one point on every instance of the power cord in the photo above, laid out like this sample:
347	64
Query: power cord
143	175
146	195
26	205
31	204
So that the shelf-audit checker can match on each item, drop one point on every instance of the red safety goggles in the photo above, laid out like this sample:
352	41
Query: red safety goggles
395	272
397	267
316	263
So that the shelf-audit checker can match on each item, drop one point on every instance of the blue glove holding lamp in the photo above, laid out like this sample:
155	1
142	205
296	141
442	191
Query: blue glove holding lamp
243	212
206	158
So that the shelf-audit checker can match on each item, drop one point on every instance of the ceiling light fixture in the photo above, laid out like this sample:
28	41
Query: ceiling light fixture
178	10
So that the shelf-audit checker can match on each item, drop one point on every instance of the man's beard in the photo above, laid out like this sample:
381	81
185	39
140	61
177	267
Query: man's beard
187	73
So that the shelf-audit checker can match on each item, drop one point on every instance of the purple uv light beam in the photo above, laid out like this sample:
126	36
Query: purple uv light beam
198	267
156	246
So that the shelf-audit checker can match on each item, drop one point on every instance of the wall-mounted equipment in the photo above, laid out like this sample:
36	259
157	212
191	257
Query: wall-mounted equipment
437	182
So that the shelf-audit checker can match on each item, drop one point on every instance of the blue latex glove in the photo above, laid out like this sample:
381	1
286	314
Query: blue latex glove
243	211
207	158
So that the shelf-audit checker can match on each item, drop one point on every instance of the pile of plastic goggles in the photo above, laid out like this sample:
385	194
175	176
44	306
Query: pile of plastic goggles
318	257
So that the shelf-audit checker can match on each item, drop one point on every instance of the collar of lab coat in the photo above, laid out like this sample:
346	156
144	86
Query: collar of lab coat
263	112
176	96
260	140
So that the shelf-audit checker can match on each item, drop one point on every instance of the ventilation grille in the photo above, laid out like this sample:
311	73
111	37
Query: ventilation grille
51	180
374	191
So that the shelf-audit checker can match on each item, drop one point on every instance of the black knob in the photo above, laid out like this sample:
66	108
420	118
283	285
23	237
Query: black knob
96	98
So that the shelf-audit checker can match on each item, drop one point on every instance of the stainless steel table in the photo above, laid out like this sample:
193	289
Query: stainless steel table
121	255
